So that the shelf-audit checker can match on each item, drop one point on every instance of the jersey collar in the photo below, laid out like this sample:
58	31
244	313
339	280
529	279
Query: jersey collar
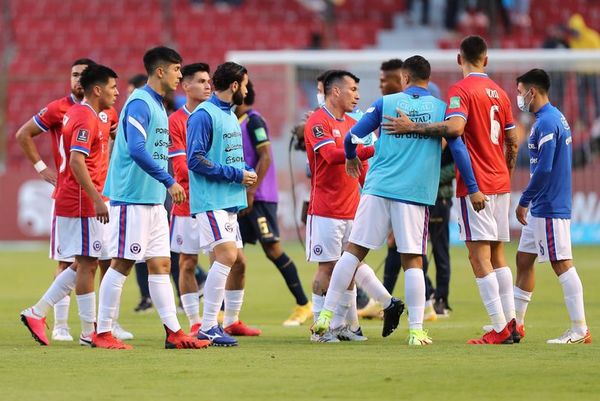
478	74
543	109
331	114
417	91
186	111
153	93
225	106
83	103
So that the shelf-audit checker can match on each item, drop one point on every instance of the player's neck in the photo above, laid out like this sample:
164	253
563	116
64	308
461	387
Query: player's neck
93	103
470	69
225	96
155	85
337	112
537	106
191	104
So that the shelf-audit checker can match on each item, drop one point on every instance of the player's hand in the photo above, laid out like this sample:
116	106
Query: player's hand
101	211
249	178
250	201
177	193
49	175
521	213
478	200
354	167
397	125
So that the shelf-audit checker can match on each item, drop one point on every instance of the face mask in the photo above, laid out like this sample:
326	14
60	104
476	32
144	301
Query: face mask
320	99
521	103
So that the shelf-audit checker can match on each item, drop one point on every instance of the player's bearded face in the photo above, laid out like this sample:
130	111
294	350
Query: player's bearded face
76	88
238	96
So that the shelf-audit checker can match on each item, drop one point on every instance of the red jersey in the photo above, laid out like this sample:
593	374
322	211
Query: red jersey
107	124
487	110
50	119
177	131
333	193
81	133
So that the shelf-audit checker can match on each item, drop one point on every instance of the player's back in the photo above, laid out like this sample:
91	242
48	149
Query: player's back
333	192
487	111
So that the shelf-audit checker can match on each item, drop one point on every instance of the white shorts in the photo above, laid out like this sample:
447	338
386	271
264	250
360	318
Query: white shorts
376	216
216	227
139	232
326	238
53	254
548	238
489	224
78	236
108	234
185	235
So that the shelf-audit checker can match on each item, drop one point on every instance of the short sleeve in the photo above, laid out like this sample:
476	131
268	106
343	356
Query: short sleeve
257	129
83	135
177	133
458	103
317	132
49	117
509	121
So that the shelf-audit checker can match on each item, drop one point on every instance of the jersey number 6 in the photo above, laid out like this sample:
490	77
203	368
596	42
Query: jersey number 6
494	125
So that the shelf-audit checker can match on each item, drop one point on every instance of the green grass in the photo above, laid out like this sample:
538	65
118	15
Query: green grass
283	364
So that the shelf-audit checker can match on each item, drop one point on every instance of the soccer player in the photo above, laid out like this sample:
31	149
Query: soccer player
258	222
479	111
401	183
333	201
546	228
185	241
80	210
50	119
136	184
218	181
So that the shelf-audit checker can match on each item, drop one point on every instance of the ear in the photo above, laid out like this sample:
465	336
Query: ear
235	85
97	90
485	61
160	72
459	59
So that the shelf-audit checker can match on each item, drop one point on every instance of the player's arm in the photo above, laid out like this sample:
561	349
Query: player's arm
461	157
25	136
199	141
262	145
453	127
83	178
136	119
511	148
369	122
177	148
541	175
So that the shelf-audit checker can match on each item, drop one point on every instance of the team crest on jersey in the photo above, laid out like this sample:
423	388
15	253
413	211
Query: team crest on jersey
454	102
336	133
83	135
43	111
135	248
317	250
103	117
97	246
318	131
228	227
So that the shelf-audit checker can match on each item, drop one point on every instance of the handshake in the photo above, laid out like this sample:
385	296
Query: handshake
249	179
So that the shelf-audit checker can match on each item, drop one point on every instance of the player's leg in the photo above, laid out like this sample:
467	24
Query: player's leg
60	331
190	301
86	297
558	244
439	233
429	314
392	265
141	276
234	299
527	252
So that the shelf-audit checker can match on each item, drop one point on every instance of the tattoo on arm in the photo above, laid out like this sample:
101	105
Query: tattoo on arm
512	148
431	130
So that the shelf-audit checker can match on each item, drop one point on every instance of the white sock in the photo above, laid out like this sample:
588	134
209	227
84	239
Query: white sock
341	312
163	299
352	315
414	291
233	305
488	290
340	280
61	312
191	306
317	305
573	293
367	280
109	299
214	292
522	299
505	289
62	285
87	312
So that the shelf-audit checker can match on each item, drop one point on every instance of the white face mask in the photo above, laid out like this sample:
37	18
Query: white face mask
320	99
521	102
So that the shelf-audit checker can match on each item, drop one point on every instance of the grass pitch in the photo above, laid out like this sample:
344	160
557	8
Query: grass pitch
282	364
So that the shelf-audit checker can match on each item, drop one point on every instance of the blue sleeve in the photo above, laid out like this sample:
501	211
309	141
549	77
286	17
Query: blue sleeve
541	174
463	163
137	118
369	122
199	141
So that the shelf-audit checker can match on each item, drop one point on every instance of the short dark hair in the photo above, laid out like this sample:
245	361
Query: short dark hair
418	68
321	77
391	65
536	77
190	69
96	74
251	95
83	61
138	80
228	73
473	48
159	56
336	76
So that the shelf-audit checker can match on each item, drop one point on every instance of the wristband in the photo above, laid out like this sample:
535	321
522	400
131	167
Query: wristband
40	166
